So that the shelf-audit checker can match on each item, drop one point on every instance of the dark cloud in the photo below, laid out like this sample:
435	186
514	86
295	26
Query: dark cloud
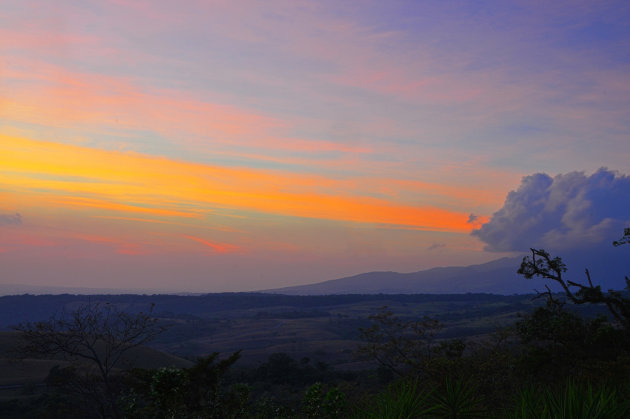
472	218
436	246
567	212
10	219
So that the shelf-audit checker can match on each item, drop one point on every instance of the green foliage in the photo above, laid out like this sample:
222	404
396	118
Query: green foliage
204	391
168	392
400	400
335	404
316	404
457	400
398	344
570	401
236	400
569	333
188	392
312	404
558	343
280	368
82	388
268	408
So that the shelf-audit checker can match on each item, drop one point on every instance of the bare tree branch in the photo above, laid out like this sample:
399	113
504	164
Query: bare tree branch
98	333
399	344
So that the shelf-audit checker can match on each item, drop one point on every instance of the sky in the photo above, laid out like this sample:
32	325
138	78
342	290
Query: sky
211	146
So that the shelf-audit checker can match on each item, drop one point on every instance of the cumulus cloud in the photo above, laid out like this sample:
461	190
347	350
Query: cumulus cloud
567	212
10	219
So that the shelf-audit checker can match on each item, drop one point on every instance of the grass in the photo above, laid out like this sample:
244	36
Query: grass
228	331
402	400
571	401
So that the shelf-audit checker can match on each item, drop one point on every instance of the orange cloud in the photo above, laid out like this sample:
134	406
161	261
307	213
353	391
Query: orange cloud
113	206
134	219
123	182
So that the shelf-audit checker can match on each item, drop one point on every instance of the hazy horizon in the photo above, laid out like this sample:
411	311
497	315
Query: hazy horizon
241	146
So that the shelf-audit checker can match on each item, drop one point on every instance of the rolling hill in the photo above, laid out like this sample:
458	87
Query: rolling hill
497	277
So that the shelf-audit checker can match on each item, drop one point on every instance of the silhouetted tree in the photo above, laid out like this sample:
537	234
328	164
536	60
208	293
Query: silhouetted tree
558	343
398	344
194	392
95	333
542	264
625	239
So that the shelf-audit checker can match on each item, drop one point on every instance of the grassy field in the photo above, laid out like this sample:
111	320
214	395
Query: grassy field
324	330
328	333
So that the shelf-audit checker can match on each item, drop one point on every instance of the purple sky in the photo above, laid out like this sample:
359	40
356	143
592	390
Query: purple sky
243	145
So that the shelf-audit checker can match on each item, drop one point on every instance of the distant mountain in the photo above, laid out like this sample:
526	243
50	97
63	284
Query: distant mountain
18	289
497	277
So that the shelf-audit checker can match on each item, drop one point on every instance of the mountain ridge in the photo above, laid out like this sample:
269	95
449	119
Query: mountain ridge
497	276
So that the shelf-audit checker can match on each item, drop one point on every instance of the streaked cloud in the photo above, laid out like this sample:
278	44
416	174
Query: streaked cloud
133	183
217	247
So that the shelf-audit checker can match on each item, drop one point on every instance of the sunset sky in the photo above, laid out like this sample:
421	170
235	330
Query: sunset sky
242	145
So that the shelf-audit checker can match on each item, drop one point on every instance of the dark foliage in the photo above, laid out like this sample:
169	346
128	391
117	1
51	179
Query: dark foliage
397	344
543	265
97	335
195	392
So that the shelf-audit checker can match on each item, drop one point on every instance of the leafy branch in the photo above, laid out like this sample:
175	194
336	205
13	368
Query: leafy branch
541	264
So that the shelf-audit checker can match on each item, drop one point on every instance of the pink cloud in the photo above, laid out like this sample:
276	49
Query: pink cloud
43	40
121	246
33	240
216	247
56	96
